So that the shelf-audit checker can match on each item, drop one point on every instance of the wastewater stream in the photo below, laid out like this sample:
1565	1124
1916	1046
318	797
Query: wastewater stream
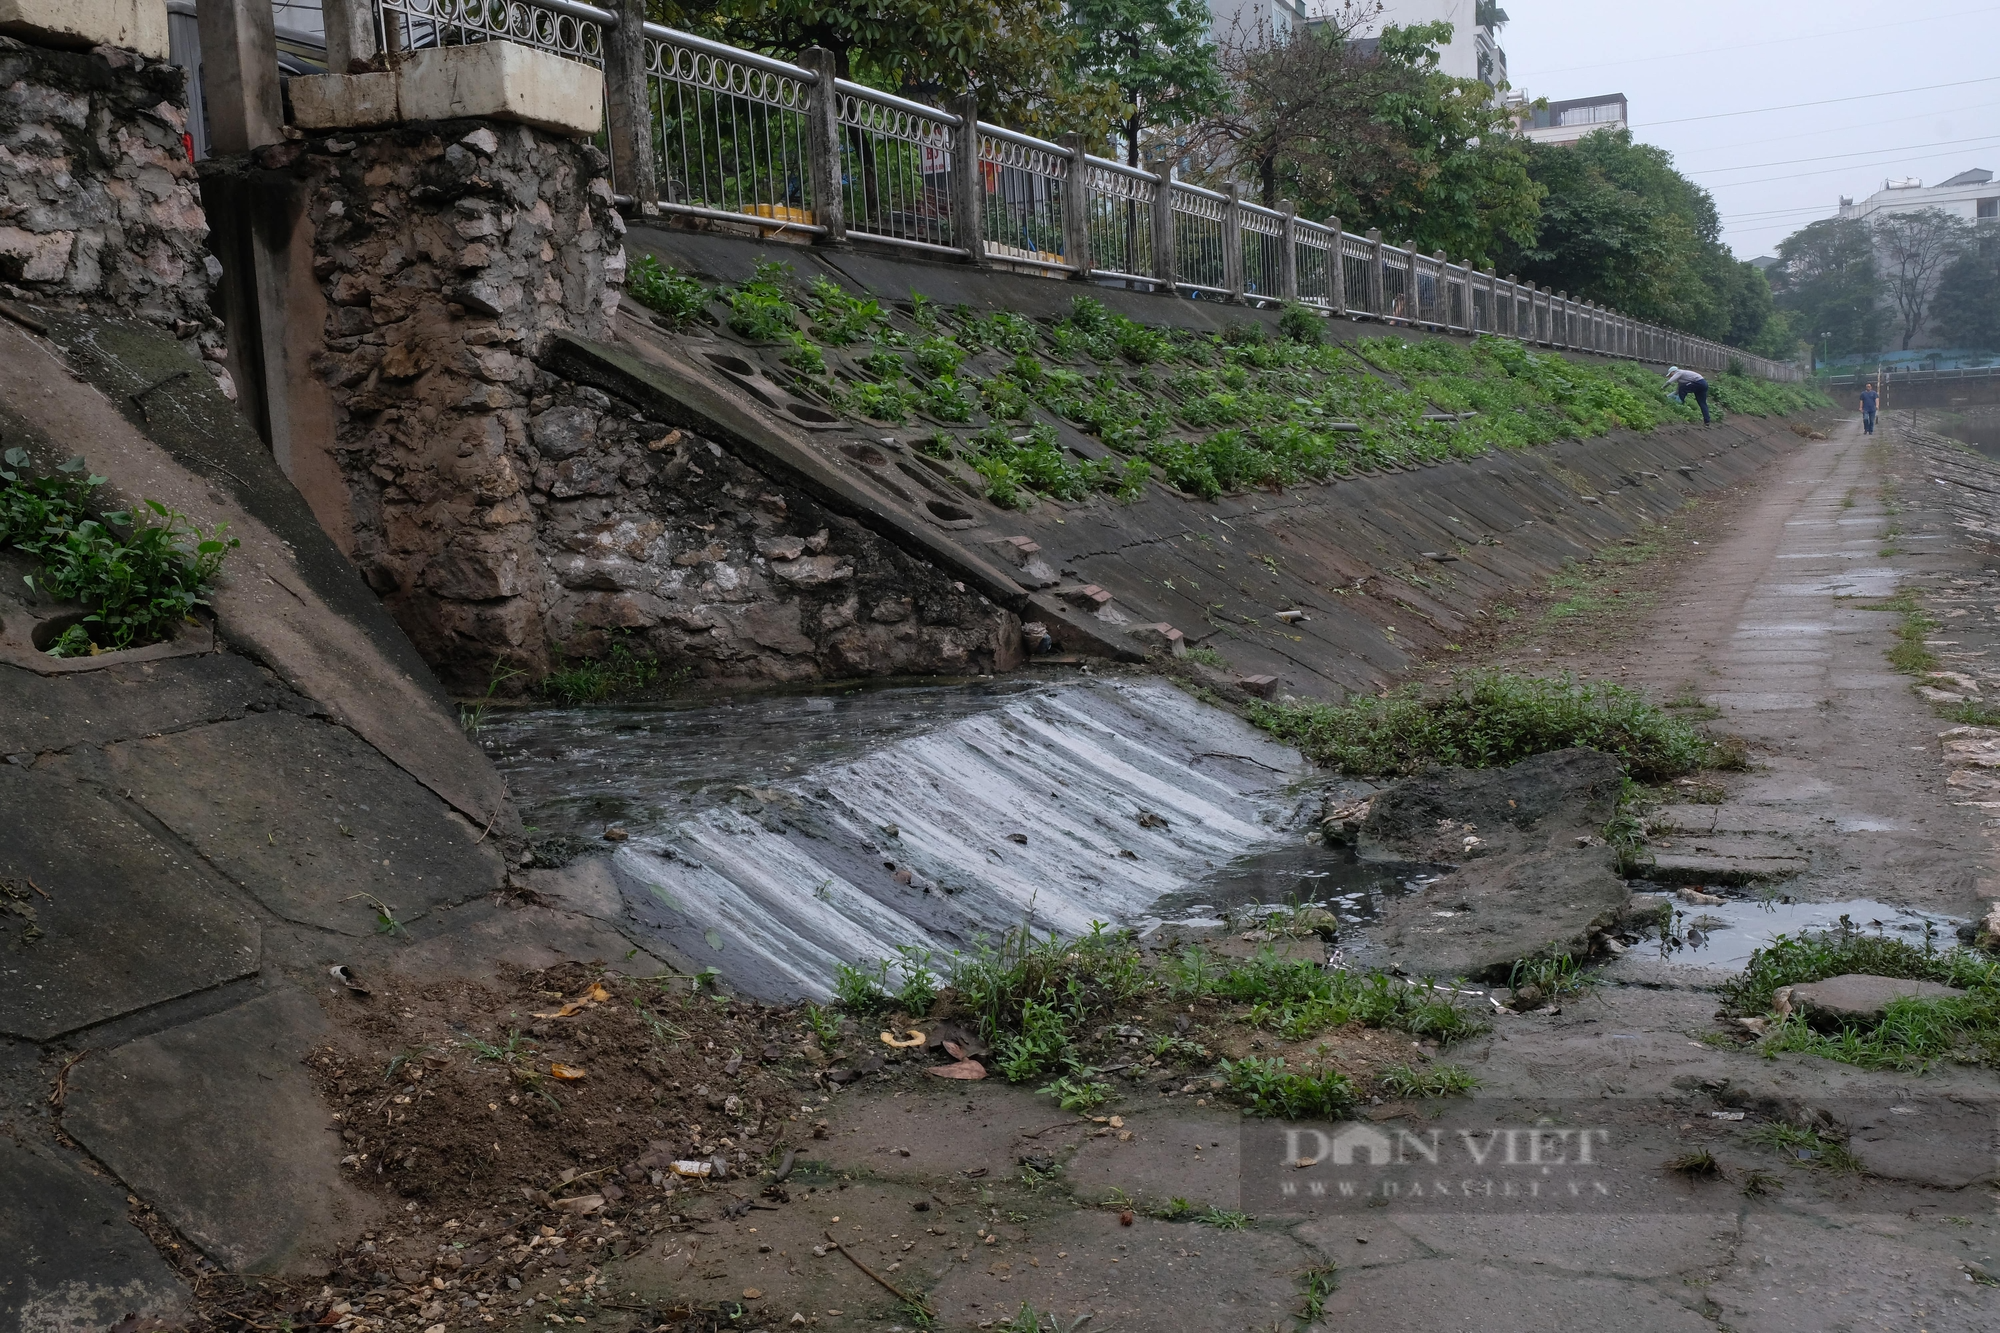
777	836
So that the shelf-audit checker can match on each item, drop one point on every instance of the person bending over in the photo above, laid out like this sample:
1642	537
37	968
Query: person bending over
1681	383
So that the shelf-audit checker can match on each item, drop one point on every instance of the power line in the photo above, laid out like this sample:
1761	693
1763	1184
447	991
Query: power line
1830	171
1859	152
1842	129
1794	106
1748	46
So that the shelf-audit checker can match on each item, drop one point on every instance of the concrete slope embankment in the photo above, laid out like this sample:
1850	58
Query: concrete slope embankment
133	406
1323	588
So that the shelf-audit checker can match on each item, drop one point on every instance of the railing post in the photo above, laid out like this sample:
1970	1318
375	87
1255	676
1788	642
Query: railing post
1076	208
1441	290
628	110
1232	241
1513	329
1165	260
1288	251
1375	272
1337	266
968	182
829	197
239	77
350	35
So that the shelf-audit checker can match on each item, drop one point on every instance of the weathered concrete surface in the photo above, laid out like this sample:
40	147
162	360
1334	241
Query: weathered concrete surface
74	1263
309	819
216	1124
102	916
268	598
1531	876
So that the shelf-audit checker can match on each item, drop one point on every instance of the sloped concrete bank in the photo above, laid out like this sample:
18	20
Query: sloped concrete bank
829	548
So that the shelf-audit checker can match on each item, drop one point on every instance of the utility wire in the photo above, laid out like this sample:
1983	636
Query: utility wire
1829	171
1859	152
1794	106
1843	129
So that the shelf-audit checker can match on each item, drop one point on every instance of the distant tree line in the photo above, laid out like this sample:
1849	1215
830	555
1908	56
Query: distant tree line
1373	132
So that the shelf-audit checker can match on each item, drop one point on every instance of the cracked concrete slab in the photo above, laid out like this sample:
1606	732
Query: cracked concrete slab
101	917
309	819
39	714
216	1125
74	1264
1433	1295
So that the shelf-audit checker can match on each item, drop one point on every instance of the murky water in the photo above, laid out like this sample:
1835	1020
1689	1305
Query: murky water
1722	938
779	836
1299	873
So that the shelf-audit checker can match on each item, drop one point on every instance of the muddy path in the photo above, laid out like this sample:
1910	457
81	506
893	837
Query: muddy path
891	1200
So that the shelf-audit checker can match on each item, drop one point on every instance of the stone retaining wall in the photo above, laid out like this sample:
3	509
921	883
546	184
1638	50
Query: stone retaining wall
99	205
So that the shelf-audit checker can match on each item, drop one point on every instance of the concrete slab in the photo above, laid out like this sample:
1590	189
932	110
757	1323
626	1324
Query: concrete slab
216	1125
43	713
136	25
503	81
114	919
73	1261
1809	1274
1145	1276
309	819
1461	1294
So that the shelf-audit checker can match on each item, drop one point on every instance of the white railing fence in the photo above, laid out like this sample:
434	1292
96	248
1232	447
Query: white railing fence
701	129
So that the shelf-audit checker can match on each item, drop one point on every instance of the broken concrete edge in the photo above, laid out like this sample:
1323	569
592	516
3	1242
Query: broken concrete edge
693	402
492	80
78	25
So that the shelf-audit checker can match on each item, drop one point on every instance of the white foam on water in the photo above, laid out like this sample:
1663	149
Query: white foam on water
776	891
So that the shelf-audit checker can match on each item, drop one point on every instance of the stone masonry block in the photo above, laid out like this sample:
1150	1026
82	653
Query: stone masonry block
135	25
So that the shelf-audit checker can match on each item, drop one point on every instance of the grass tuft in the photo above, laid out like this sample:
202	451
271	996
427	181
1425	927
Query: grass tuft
1488	719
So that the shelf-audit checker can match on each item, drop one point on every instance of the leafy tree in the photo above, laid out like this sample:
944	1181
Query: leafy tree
1968	298
1619	225
1915	249
1374	134
1826	276
1158	54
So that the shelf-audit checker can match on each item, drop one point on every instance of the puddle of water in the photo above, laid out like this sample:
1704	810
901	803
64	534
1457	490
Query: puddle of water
780	837
1722	938
1302	874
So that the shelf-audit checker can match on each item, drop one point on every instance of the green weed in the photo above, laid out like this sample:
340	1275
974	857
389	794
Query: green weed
759	309
1806	1145
1267	1087
666	291
825	1025
1488	719
139	572
1076	1093
1426	1080
621	671
1316	1284
862	989
837	318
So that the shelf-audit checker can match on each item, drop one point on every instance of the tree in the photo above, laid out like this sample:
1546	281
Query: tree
1619	225
1826	275
1916	249
1375	134
1968	297
1158	54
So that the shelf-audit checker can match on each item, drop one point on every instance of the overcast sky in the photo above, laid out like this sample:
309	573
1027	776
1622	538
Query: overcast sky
1771	172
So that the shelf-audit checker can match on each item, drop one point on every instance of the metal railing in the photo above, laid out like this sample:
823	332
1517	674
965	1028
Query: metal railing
731	134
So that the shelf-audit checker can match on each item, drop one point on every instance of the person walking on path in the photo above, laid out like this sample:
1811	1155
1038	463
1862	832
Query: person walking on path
1681	383
1868	400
